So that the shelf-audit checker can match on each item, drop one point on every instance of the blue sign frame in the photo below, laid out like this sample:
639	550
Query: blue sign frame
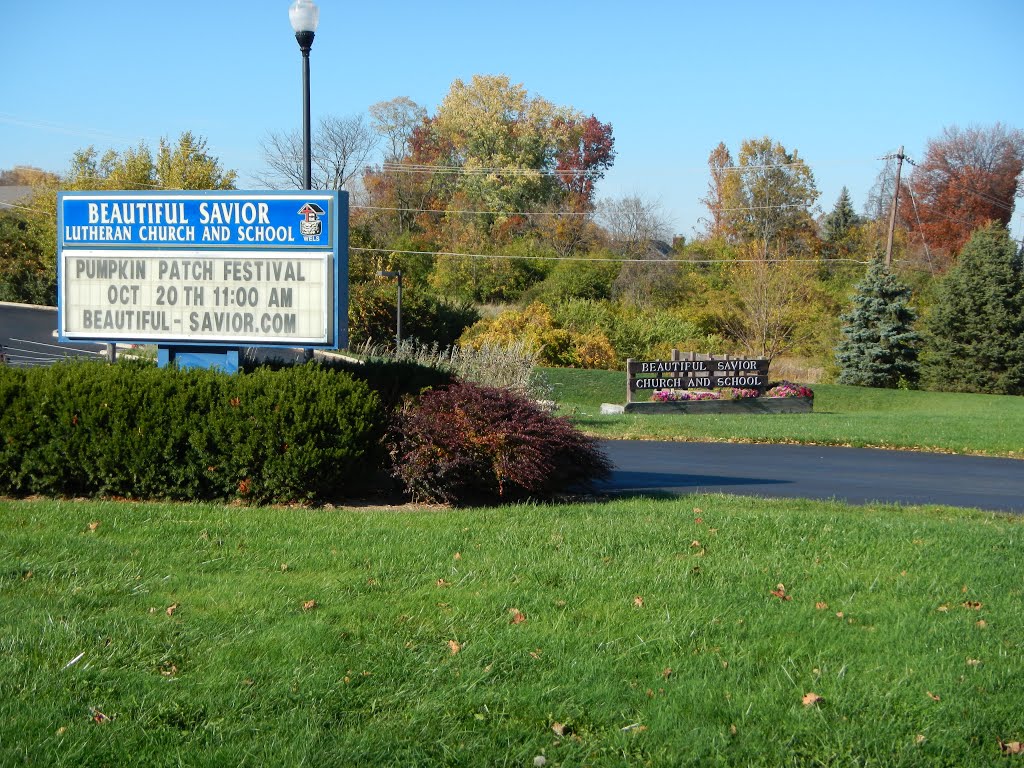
203	268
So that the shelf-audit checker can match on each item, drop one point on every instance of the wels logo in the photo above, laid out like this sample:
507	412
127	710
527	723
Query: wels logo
311	227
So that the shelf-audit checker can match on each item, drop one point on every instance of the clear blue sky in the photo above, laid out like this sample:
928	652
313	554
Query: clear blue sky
843	83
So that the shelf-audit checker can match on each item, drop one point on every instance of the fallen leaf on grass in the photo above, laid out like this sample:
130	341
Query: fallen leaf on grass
919	739
1011	747
518	617
443	583
638	601
973	662
780	592
811	699
933	696
666	673
980	624
943	609
457	556
973	605
821	605
94	525
535	654
562	729
309	605
454	646
171	609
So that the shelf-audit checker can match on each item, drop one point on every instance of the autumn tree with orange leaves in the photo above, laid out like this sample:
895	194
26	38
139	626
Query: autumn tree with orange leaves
967	180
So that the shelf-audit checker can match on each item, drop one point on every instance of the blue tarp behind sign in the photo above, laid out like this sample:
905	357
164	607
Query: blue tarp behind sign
210	220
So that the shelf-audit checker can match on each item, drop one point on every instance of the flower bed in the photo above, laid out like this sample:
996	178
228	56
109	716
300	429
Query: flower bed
784	397
783	389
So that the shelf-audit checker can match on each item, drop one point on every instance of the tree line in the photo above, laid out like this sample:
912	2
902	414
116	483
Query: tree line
489	206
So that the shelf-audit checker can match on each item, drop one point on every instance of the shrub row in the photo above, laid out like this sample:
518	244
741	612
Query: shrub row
294	433
144	432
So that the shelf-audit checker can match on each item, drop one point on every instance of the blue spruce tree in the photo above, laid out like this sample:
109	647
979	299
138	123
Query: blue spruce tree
880	345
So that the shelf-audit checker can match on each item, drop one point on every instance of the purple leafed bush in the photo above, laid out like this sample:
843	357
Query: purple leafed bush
468	444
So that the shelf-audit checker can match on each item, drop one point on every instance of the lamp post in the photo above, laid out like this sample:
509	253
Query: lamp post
398	307
304	16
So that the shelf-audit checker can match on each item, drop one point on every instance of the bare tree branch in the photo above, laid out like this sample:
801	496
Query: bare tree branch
341	148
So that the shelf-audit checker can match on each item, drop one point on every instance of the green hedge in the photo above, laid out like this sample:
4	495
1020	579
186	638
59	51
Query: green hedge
137	431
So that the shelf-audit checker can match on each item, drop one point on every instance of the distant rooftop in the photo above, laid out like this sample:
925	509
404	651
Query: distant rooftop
13	195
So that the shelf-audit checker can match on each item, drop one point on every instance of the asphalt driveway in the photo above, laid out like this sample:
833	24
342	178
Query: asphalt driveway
855	475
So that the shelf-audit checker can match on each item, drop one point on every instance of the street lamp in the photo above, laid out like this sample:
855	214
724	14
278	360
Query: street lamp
304	16
398	313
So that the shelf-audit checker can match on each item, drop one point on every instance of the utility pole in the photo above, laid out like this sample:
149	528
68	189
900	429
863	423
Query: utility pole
900	157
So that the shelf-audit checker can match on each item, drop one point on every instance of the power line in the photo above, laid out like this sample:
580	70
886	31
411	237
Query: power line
550	213
676	262
76	177
766	207
58	128
482	170
458	211
443	210
1006	205
389	167
920	227
945	216
801	163
25	208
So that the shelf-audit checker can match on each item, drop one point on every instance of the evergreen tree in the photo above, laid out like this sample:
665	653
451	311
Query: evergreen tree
880	344
841	220
976	330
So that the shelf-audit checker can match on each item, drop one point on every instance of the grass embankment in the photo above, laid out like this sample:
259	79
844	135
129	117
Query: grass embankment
857	416
636	632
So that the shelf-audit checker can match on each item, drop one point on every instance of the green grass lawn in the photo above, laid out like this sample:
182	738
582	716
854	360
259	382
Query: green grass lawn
857	416
635	632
